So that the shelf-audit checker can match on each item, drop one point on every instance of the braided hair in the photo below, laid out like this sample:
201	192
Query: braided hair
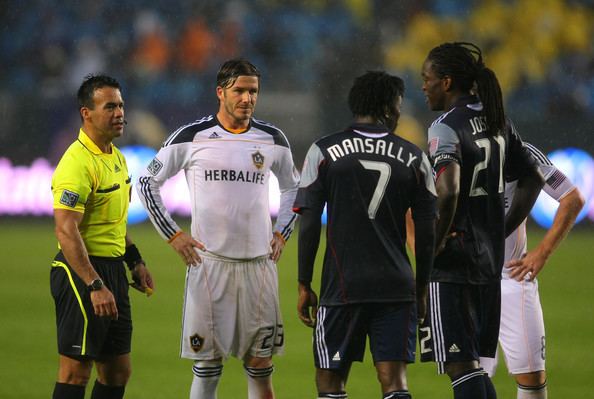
375	94
463	63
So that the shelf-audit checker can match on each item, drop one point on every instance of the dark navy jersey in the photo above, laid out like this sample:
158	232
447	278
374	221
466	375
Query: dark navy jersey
368	178
475	254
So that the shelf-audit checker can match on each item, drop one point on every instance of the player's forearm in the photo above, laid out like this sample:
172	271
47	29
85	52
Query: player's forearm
447	186
310	227
569	208
424	250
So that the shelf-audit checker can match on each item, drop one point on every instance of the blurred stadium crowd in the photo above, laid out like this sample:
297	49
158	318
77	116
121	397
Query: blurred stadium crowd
166	54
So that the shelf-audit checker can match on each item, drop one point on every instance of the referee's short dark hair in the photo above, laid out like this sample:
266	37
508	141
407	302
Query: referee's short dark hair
232	69
375	93
90	84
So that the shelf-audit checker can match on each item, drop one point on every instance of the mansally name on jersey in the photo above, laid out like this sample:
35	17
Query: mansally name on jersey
369	146
234	175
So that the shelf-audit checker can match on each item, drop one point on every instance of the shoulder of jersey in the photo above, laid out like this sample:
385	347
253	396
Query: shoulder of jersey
453	116
186	133
332	138
277	134
536	153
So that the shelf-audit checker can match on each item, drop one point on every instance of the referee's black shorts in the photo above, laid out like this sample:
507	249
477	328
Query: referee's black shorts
80	332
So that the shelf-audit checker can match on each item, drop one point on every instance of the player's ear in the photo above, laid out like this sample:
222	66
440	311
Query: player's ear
84	113
220	92
446	82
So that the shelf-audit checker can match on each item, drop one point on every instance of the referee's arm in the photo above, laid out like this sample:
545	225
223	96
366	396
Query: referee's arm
76	254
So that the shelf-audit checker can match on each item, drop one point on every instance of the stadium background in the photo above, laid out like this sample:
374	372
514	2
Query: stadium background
166	55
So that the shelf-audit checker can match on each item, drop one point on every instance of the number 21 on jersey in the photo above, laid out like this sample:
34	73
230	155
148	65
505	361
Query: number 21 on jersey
475	189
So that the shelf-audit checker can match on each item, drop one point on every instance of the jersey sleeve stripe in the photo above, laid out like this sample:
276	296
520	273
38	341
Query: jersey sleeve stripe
542	158
153	209
288	229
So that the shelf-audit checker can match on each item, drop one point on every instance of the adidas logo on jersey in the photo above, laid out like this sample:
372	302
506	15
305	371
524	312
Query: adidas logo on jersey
336	357
214	136
454	349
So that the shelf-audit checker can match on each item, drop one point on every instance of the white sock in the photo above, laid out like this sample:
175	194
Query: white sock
206	378
539	392
259	382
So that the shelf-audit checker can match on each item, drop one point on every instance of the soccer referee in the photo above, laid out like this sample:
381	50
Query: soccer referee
91	191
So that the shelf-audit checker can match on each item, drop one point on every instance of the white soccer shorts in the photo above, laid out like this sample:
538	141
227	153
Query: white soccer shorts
231	308
522	331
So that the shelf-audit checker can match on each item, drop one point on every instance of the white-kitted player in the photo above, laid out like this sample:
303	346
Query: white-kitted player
522	331
231	305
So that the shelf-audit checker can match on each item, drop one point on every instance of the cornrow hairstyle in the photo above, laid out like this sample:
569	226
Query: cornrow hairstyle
374	94
232	69
90	84
463	63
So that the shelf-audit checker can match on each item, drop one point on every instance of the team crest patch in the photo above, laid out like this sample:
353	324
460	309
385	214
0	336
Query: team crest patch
155	166
69	198
196	342
258	159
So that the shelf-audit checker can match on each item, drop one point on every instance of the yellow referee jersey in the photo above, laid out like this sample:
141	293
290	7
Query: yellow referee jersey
98	185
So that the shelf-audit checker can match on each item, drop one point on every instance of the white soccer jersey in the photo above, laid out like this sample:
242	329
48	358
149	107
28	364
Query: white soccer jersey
227	176
557	185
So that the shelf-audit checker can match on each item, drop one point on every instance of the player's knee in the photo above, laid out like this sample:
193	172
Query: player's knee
74	374
535	379
391	375
455	369
74	378
114	376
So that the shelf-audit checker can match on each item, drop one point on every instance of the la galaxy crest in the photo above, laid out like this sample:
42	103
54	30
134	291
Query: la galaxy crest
258	159
196	342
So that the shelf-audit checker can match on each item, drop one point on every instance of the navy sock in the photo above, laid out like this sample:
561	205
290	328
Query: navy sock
101	391
470	385
68	391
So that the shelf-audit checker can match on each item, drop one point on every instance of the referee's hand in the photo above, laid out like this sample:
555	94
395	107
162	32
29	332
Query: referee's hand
104	303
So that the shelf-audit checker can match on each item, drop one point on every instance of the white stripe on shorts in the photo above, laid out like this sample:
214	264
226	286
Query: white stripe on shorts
438	340
323	356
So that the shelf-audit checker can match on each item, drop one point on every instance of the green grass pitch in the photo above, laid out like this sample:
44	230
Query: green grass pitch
27	335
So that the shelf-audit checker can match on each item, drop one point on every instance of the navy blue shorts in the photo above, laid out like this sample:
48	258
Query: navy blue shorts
80	332
462	323
341	333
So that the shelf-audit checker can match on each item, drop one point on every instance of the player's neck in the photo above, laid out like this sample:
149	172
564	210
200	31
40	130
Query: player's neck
367	119
452	97
231	124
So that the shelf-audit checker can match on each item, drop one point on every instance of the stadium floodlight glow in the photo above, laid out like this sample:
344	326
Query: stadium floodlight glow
578	166
26	189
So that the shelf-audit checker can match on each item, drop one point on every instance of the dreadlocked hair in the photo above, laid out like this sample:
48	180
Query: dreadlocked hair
463	63
375	94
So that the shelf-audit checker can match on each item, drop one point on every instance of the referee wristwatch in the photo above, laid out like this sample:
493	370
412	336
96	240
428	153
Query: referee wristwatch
95	285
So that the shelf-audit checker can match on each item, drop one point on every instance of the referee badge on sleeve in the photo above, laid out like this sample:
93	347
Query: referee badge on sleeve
69	198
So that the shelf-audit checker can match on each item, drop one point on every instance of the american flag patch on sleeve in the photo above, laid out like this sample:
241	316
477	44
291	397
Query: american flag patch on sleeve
556	179
433	144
